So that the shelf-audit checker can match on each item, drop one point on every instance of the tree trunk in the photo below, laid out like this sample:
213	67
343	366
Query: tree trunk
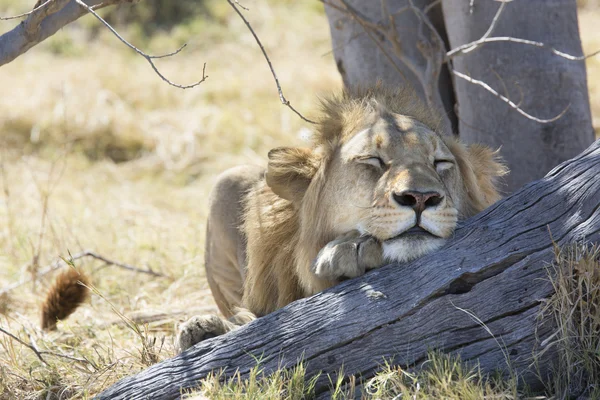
360	60
495	266
541	82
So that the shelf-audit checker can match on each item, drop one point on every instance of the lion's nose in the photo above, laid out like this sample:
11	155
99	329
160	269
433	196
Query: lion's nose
416	200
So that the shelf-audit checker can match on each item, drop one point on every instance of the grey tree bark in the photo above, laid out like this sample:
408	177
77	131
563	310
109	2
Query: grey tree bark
495	267
43	23
542	83
393	55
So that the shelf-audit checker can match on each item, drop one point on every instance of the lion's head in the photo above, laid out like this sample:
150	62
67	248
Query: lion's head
379	164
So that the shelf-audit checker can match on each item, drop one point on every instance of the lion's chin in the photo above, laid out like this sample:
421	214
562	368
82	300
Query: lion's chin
405	249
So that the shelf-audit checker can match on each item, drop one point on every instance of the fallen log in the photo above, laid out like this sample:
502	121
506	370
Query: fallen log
493	271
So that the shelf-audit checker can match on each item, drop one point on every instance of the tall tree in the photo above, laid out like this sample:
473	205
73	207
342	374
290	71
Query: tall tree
527	52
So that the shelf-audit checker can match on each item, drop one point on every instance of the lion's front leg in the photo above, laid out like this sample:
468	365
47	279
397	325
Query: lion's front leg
348	256
202	327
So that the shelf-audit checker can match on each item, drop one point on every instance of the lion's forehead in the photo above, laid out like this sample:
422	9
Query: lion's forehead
395	138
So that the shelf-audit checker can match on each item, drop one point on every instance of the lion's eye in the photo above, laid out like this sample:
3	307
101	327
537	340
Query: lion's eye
374	161
442	165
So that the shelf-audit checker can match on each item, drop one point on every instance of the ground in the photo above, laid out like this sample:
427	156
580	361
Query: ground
97	153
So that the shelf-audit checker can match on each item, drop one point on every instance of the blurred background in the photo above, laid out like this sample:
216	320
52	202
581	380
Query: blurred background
97	153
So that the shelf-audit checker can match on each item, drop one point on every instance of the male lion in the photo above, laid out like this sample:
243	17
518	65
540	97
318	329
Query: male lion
379	184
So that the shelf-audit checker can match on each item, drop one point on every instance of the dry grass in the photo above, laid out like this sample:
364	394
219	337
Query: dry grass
76	111
97	153
575	308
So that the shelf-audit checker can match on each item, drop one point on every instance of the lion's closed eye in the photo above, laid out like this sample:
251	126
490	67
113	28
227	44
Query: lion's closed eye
374	161
443	165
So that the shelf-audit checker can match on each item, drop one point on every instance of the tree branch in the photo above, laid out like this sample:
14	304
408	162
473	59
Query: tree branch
148	57
282	98
44	20
18	41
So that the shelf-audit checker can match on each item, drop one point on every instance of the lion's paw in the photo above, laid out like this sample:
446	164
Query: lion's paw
199	328
348	256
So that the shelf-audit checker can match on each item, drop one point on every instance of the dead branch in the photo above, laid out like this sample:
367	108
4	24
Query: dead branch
60	262
44	20
282	98
33	347
118	264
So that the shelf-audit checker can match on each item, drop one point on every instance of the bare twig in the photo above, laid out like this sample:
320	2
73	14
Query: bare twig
282	98
491	27
58	263
128	267
32	345
464	48
506	99
148	57
26	13
241	6
42	22
36	351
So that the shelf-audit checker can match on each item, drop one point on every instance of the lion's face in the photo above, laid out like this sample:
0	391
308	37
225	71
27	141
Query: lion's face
388	176
398	181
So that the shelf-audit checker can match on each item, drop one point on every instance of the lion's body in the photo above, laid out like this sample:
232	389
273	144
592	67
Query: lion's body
380	183
225	251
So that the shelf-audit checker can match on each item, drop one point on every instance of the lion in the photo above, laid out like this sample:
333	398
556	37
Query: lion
380	183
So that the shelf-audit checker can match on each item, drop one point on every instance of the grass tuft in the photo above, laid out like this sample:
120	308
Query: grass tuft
575	310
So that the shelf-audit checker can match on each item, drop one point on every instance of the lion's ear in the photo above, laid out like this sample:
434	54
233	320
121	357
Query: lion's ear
290	171
487	167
